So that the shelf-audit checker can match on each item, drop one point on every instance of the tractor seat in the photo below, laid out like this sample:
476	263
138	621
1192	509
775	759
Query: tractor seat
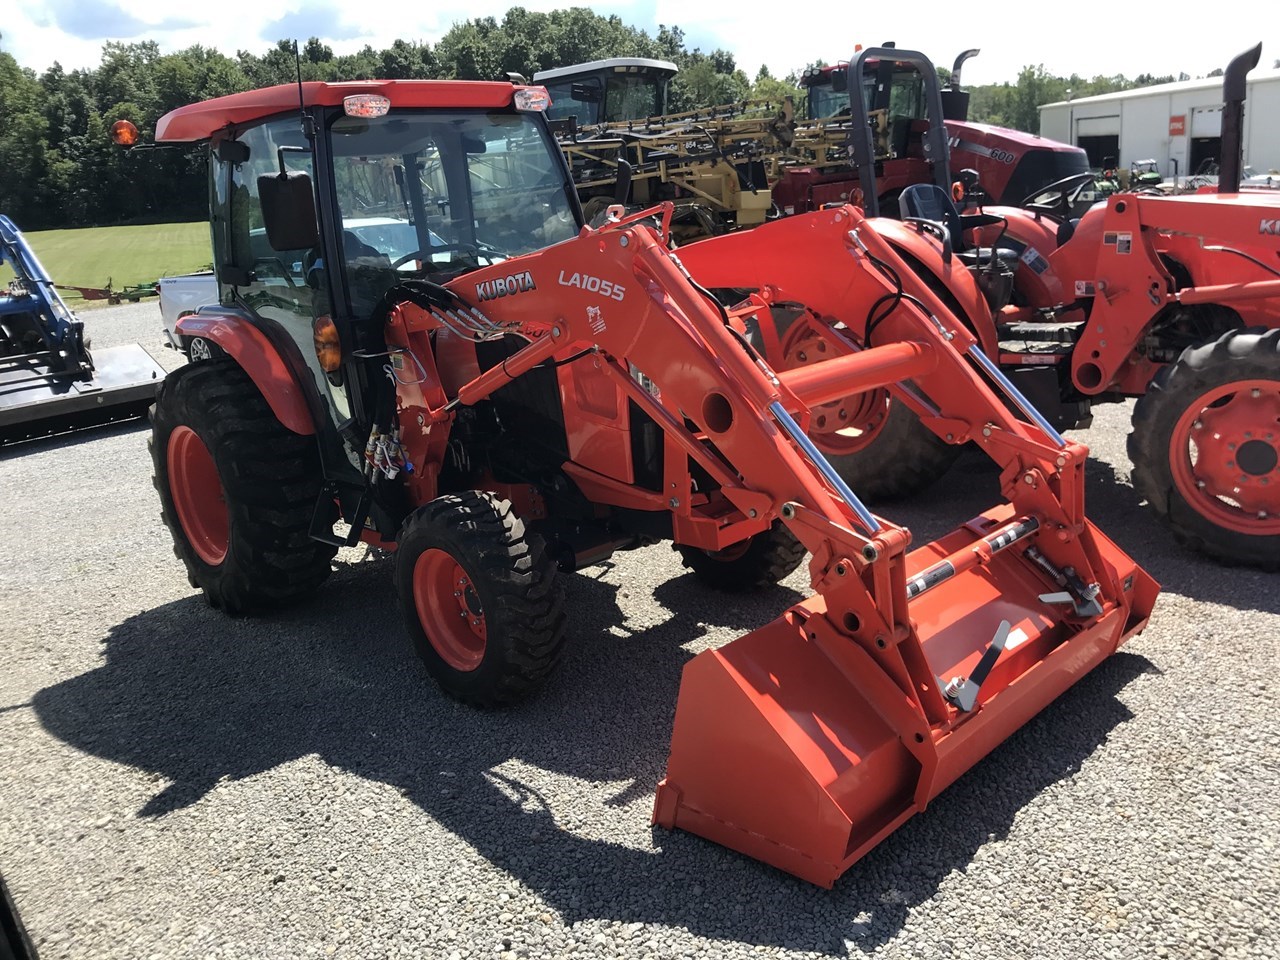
1066	230
929	203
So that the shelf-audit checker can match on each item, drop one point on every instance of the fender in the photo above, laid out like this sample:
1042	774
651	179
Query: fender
967	301
809	262
240	339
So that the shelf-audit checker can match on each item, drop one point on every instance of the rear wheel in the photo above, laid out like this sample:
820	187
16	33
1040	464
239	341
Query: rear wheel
876	443
761	561
1206	447
237	490
480	598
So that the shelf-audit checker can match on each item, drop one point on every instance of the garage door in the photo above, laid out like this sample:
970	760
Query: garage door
1098	126
1206	121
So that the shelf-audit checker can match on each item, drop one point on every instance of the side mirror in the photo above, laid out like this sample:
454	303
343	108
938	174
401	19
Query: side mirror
288	210
232	151
840	80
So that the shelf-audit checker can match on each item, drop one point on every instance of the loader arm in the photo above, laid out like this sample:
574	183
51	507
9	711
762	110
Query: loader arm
1134	285
807	741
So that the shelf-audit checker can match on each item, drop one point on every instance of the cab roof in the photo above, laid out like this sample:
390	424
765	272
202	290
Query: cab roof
200	121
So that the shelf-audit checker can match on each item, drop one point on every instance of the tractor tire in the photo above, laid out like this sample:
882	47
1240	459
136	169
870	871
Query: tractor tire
759	562
1221	402
902	459
874	442
237	490
480	598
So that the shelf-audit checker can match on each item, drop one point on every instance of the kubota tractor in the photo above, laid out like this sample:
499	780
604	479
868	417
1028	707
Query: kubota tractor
892	98
518	396
1172	300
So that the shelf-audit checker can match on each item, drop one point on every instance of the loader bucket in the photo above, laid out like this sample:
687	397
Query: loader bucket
38	399
794	745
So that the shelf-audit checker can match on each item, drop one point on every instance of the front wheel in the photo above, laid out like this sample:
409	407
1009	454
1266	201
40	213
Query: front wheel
237	489
1205	447
480	598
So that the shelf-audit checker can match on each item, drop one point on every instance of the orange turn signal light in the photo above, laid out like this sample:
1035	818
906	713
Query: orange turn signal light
324	334
124	133
957	191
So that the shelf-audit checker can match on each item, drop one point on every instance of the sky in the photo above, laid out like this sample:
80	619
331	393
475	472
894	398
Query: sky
1065	40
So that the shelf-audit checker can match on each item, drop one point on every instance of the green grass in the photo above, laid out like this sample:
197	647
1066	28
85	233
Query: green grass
90	256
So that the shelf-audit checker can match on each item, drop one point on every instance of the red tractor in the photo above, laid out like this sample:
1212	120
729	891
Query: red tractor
1172	300
510	396
888	96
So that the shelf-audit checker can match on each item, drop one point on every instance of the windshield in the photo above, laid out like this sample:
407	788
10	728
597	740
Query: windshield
437	193
904	98
632	96
824	102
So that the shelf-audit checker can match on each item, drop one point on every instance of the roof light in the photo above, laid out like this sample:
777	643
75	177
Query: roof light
367	105
124	133
532	99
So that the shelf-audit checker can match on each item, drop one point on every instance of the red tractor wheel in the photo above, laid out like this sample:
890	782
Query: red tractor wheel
480	598
1206	447
197	493
878	445
237	489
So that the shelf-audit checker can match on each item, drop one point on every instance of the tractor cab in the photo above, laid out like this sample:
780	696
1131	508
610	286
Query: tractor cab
608	91
900	92
318	212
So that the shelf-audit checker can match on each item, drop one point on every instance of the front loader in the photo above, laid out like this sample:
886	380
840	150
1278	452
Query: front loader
521	396
49	381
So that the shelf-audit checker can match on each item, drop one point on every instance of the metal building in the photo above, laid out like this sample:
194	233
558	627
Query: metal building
1175	124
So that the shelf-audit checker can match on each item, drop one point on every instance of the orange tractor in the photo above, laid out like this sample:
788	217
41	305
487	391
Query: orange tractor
501	395
1172	300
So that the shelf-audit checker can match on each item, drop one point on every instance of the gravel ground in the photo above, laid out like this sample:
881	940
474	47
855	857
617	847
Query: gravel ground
179	784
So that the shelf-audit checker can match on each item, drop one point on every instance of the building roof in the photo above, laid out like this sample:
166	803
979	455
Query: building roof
199	121
1181	86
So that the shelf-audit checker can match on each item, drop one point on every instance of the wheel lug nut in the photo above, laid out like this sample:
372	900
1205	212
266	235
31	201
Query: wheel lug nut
1197	425
1255	393
1200	484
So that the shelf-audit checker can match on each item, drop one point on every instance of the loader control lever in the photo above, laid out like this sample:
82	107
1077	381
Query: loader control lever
963	691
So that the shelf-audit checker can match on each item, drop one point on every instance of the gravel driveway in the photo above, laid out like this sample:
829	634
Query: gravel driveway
175	783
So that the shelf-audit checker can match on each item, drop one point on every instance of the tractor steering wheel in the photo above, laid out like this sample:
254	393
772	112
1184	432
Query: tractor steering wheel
417	254
1057	196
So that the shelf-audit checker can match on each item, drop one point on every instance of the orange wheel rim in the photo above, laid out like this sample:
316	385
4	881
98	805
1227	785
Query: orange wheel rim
198	496
1225	455
842	426
449	609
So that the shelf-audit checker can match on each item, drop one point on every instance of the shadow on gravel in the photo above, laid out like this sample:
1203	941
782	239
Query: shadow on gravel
194	697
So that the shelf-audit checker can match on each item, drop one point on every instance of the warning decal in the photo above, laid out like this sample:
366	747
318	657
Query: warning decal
1124	243
1031	257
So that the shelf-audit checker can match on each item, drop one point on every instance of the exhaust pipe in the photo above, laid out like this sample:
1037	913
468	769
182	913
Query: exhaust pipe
955	67
1234	90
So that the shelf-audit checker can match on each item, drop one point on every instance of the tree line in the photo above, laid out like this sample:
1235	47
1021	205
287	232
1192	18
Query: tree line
60	168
